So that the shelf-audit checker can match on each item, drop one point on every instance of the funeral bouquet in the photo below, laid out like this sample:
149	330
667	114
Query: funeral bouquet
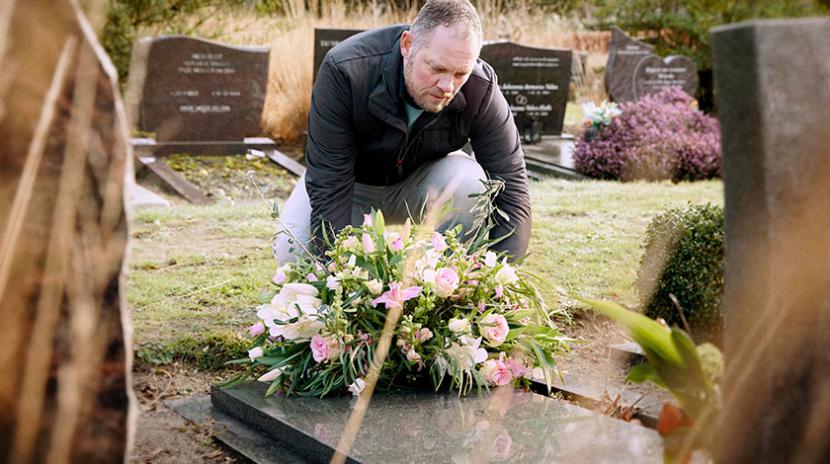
467	316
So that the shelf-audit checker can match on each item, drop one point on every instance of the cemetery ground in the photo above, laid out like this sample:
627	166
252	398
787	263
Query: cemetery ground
195	273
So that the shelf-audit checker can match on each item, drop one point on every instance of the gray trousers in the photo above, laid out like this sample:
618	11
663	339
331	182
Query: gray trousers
449	180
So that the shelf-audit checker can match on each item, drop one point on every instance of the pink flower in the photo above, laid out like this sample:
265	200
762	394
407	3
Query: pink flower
446	281
279	277
319	348
257	329
494	328
496	372
438	242
368	244
350	243
367	220
396	296
255	353
517	368
499	291
311	277
397	244
481	306
413	356
424	334
357	386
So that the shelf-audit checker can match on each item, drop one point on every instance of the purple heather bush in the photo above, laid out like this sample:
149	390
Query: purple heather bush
660	136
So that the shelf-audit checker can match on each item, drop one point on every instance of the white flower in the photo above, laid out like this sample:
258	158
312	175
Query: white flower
278	311
490	259
461	325
270	375
357	386
352	260
506	275
255	353
303	329
428	276
288	293
467	356
332	283
374	286
308	304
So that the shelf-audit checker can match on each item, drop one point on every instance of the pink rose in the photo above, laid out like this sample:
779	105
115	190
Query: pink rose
496	372
319	349
517	368
494	328
446	281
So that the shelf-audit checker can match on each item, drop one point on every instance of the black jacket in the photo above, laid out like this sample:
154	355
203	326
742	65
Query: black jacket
357	132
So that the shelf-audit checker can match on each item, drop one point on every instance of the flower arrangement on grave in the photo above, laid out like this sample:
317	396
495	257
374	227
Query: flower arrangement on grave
660	136
468	317
596	117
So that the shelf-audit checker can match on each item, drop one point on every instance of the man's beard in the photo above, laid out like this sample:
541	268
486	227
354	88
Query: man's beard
418	98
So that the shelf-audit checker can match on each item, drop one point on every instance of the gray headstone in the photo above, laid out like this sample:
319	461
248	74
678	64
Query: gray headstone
624	54
535	82
654	74
499	426
773	85
198	90
325	40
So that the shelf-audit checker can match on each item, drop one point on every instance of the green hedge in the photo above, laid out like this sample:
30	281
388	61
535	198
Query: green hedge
683	257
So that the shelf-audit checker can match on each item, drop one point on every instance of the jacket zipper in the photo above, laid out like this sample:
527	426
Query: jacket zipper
406	145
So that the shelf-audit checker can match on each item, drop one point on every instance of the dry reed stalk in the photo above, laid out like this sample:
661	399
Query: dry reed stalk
23	194
81	307
30	407
346	442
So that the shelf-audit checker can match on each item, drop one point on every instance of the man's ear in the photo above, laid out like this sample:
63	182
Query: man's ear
406	44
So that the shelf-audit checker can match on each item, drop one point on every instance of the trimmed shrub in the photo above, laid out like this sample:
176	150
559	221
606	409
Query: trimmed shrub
683	257
660	136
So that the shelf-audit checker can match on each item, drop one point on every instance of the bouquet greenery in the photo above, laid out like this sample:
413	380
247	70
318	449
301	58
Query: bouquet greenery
467	315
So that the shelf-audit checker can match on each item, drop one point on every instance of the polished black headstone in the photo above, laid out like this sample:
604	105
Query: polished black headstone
198	90
500	426
535	82
325	40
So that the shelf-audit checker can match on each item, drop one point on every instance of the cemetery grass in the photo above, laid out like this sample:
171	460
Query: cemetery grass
195	272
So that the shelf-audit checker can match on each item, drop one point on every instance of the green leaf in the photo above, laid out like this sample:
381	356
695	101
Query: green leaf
643	373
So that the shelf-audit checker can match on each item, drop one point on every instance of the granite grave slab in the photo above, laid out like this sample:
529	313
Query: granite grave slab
535	82
504	426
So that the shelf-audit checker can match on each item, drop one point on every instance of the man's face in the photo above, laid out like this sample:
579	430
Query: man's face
442	63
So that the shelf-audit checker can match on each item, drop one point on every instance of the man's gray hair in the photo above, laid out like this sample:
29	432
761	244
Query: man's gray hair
445	13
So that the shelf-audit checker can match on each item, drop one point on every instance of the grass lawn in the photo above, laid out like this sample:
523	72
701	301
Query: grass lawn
195	272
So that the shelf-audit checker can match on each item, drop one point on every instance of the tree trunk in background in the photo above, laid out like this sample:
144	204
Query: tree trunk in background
65	355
